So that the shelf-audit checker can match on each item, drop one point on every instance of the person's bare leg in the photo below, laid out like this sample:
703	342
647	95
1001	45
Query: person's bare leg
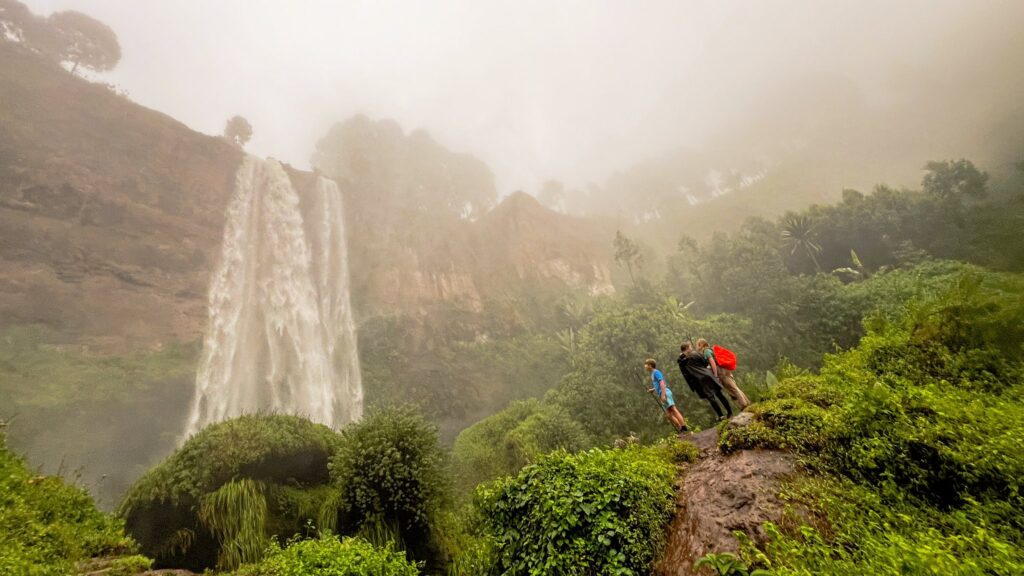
729	383
677	418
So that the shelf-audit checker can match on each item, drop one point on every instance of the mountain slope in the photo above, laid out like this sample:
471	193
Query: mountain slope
110	213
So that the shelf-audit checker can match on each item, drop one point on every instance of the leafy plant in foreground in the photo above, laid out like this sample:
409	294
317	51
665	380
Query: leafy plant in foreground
597	512
329	556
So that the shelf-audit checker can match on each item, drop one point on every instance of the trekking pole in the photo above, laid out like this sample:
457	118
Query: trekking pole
664	410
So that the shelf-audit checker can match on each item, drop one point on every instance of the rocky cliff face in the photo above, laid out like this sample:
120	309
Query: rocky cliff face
110	213
428	228
111	216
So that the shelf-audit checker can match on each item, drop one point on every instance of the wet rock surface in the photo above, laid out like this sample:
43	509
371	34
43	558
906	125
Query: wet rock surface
719	494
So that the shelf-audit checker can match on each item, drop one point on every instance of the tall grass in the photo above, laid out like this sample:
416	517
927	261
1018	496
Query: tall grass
236	513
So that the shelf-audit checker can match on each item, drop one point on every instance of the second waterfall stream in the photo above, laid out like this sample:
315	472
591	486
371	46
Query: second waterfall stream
281	336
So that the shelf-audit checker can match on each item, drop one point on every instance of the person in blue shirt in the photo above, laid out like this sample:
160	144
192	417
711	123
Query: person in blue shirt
660	390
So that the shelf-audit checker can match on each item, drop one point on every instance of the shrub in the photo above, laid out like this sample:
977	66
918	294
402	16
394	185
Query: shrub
863	530
217	499
505	442
916	435
597	512
329	556
46	525
389	473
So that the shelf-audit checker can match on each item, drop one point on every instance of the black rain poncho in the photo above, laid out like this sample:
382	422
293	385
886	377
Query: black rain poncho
698	375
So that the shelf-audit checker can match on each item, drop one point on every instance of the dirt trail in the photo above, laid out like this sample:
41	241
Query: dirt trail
719	494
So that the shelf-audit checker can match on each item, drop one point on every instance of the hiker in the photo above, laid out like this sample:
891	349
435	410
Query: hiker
702	380
664	395
723	374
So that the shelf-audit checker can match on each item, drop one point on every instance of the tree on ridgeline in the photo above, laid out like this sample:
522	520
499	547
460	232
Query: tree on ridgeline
67	36
238	131
85	41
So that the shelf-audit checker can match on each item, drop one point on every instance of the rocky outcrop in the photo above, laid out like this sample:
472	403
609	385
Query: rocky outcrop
532	242
719	494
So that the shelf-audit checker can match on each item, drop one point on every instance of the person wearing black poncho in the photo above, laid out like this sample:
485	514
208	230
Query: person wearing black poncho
701	380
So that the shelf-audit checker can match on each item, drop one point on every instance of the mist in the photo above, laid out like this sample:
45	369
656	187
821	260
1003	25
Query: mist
574	91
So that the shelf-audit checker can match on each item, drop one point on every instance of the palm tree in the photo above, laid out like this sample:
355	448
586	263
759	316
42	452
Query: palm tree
798	234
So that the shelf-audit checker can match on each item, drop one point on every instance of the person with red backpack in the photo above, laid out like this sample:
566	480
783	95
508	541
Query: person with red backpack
723	363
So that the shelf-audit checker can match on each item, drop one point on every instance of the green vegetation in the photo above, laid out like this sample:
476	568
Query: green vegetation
391	481
48	526
505	442
221	496
915	439
442	368
38	371
329	556
119	410
597	512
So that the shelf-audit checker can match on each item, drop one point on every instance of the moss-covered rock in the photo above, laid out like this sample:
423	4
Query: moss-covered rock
198	508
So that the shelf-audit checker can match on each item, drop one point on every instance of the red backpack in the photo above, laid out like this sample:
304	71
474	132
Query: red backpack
724	357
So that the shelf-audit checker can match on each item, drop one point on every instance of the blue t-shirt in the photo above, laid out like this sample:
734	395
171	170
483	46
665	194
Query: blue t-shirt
657	378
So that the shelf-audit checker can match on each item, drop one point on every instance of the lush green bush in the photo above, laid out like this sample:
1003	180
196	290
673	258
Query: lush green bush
390	476
505	442
219	498
857	529
329	556
596	512
927	401
46	525
916	434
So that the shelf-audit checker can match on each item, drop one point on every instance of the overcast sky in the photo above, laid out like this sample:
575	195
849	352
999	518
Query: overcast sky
538	89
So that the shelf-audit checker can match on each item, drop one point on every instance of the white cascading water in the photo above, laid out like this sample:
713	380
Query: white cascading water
281	336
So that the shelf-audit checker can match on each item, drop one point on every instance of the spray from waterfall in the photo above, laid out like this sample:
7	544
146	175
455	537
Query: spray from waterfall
281	336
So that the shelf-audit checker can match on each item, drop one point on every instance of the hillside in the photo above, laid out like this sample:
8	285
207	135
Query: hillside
110	213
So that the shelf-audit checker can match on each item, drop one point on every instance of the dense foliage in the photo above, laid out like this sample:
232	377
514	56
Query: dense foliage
229	488
503	443
596	512
329	556
455	378
47	525
917	433
390	476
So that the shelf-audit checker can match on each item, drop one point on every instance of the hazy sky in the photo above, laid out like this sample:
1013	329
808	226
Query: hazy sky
571	89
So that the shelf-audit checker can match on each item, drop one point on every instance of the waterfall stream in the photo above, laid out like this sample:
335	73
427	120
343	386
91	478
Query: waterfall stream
281	336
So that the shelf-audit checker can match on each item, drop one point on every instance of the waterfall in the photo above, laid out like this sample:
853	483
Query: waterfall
281	336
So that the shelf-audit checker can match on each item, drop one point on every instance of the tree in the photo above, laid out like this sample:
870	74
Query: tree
627	253
954	180
238	131
85	41
552	195
391	479
798	234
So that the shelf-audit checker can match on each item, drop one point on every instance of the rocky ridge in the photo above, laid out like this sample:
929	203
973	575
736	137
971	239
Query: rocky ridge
719	494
